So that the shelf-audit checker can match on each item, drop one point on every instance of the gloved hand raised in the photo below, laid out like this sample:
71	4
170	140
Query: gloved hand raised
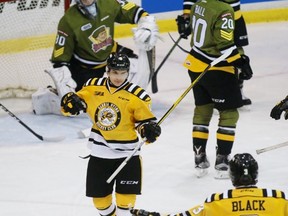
279	108
243	64
147	33
72	104
150	131
142	212
183	24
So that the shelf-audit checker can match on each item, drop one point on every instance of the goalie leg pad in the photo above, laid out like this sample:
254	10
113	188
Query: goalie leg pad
62	79
46	101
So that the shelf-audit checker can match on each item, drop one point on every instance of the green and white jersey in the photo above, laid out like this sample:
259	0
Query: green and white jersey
212	34
92	40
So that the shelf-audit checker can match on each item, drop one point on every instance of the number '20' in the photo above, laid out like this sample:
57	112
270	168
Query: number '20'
227	23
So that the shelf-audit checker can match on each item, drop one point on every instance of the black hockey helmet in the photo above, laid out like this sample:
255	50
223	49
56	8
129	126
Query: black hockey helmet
118	61
243	170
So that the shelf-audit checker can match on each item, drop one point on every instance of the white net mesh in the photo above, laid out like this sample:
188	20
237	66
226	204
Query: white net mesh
28	30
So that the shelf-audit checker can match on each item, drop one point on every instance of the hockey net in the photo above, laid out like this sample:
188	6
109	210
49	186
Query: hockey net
28	30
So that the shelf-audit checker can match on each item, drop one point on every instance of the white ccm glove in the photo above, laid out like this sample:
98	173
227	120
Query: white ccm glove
147	33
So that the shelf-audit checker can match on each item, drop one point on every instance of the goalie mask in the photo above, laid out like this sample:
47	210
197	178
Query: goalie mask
87	8
243	170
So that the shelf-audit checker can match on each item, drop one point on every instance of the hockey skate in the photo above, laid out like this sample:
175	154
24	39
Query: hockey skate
201	165
222	167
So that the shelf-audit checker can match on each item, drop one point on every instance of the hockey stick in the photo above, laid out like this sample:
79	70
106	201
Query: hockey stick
181	48
48	139
216	61
151	61
154	84
259	151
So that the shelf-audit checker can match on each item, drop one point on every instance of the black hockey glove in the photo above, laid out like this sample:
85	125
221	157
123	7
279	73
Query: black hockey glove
142	212
72	104
150	131
279	108
243	64
184	28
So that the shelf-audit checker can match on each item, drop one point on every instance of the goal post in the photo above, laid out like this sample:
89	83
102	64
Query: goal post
28	31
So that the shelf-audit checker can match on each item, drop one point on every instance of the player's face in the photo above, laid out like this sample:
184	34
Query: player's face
117	77
87	2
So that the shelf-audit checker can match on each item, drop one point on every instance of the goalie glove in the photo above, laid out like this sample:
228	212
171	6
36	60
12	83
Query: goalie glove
183	24
147	33
62	79
149	131
72	104
279	108
142	212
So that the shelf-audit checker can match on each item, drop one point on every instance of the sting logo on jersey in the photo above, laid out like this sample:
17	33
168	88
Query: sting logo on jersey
107	116
101	38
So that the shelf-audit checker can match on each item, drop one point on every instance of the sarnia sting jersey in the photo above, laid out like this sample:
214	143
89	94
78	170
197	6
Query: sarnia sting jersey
242	202
115	112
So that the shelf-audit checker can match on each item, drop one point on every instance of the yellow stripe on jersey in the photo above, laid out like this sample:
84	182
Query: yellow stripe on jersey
128	6
58	52
226	35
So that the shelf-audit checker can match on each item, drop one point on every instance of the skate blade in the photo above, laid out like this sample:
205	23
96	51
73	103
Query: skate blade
222	174
200	172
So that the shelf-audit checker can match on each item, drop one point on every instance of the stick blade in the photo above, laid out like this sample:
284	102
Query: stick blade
53	139
154	84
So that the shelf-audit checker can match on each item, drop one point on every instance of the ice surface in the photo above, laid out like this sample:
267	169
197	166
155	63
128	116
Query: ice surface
41	178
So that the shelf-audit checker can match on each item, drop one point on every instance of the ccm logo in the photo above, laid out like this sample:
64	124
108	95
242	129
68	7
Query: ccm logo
129	182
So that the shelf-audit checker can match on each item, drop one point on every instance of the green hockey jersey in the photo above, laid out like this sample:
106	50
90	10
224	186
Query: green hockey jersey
92	40
212	34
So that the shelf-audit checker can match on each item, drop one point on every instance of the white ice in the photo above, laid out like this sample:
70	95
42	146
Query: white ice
43	179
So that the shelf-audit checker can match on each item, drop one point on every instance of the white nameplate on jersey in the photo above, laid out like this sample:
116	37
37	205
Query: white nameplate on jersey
86	27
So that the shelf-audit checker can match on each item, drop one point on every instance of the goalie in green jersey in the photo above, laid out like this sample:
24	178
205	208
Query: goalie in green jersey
212	26
85	38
